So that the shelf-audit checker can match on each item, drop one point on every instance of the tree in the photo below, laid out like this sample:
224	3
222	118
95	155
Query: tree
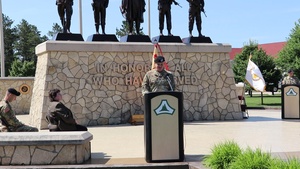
289	56
56	28
265	63
125	29
9	38
28	37
22	69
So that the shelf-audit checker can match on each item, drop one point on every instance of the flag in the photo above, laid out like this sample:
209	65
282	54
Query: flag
254	77
155	54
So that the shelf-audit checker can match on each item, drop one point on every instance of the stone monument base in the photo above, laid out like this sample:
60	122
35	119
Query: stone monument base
101	37
201	39
68	36
135	38
167	39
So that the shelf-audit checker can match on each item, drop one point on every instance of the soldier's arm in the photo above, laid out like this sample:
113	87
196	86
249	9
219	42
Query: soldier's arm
9	117
145	85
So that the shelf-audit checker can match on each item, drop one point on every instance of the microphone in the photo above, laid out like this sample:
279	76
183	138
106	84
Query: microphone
169	81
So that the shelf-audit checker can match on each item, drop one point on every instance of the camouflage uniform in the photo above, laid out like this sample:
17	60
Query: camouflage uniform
10	120
155	81
290	80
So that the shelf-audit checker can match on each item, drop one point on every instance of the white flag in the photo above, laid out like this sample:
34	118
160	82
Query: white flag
254	77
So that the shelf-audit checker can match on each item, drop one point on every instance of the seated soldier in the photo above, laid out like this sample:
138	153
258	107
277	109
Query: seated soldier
59	117
8	117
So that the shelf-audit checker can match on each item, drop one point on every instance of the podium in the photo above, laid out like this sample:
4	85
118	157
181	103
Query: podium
164	127
290	102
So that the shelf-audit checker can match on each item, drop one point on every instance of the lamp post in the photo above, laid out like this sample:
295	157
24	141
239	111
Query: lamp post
2	43
80	16
149	23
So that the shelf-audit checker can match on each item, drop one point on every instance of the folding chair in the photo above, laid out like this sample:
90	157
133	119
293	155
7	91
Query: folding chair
244	109
241	96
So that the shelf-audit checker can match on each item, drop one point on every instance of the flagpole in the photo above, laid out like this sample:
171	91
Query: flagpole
149	34
2	43
80	16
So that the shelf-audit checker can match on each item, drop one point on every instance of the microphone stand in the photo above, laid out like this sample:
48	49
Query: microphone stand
169	81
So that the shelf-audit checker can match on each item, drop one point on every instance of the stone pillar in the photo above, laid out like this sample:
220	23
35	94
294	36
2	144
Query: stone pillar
101	81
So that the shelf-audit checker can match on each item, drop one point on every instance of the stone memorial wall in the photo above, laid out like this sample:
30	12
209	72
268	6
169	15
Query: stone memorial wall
101	81
22	84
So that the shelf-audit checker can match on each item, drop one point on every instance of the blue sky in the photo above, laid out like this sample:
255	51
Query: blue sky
228	21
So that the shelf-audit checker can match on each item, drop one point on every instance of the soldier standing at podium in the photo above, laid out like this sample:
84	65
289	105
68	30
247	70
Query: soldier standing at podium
291	79
158	79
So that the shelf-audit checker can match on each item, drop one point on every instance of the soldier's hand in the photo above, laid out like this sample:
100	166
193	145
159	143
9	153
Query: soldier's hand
176	3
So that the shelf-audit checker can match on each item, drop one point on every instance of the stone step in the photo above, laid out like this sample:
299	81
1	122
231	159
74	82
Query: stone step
128	166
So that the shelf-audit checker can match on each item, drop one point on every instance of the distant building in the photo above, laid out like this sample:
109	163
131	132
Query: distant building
271	49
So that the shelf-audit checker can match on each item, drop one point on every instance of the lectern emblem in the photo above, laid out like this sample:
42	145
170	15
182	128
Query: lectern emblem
164	108
291	92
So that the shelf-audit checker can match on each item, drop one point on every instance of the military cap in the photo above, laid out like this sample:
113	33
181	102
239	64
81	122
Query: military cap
290	71
13	91
159	59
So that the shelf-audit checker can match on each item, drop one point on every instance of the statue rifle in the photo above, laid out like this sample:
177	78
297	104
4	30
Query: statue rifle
204	13
202	10
123	12
176	3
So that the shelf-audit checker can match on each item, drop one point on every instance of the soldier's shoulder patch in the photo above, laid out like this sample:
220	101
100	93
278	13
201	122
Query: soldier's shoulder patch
7	109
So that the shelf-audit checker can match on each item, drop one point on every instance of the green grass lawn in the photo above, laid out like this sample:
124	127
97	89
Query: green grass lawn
268	101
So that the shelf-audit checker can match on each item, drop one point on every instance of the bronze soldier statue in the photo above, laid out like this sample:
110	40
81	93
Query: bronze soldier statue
99	8
64	7
133	10
164	7
196	7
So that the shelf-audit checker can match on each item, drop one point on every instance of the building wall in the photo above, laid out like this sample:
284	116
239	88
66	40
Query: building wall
101	81
22	84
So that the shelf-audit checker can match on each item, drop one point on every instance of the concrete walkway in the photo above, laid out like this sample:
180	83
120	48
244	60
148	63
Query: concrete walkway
264	129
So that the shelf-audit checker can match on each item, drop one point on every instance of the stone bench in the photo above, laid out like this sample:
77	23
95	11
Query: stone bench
34	148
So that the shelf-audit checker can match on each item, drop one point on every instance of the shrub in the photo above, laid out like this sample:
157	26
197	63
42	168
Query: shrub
222	155
250	159
292	163
229	155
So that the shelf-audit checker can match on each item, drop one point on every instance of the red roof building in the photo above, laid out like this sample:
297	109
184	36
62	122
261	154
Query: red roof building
271	49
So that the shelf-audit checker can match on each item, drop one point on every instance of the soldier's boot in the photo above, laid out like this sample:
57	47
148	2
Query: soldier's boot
103	29
161	32
130	28
200	34
63	23
97	28
68	25
137	27
199	30
169	33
